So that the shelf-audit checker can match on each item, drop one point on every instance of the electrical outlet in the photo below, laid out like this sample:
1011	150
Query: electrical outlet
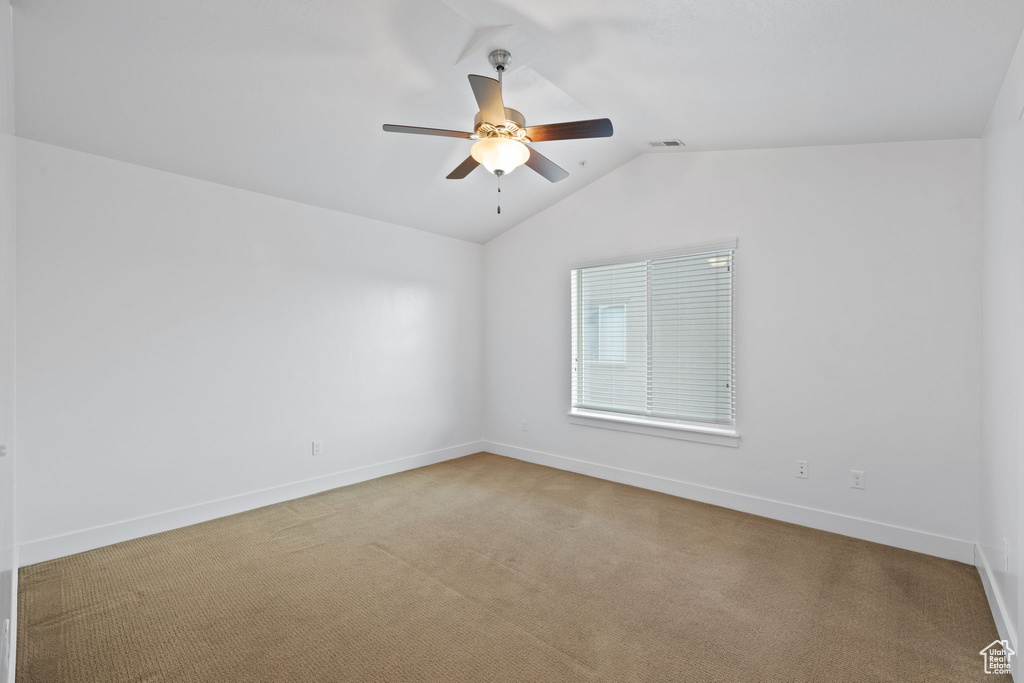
318	448
857	479
801	469
522	425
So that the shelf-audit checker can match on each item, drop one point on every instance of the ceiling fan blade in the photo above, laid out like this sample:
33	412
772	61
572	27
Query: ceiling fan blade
547	168
488	96
463	169
425	131
573	130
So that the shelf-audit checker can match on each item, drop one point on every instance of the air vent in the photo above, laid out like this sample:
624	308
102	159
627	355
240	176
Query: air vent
665	143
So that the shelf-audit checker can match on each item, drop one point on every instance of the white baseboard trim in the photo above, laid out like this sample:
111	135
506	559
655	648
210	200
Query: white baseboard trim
13	654
877	532
116	532
1005	625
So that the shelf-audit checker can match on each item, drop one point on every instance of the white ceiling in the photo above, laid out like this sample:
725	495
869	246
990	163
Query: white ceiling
287	97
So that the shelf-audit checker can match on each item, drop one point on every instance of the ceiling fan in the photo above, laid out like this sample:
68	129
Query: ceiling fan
501	133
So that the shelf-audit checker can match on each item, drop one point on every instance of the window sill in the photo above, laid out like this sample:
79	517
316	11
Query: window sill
714	435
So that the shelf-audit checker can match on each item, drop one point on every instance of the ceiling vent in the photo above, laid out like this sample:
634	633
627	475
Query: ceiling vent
665	143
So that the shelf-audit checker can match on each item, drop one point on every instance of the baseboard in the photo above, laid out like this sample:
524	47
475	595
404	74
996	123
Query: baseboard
878	532
108	534
12	662
1005	625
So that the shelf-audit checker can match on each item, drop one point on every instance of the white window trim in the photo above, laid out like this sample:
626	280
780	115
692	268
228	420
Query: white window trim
720	245
721	436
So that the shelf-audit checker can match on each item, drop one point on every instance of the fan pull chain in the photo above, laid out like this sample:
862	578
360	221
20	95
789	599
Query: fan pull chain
501	71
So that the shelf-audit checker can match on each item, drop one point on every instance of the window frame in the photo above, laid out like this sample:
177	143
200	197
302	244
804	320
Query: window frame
724	435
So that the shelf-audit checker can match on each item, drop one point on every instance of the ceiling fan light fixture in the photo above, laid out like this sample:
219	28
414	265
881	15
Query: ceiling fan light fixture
500	154
499	132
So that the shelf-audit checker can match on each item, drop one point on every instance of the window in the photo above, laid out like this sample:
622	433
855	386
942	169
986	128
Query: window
652	342
611	333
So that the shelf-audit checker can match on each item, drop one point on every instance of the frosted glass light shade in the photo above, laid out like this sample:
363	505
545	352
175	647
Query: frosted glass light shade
500	154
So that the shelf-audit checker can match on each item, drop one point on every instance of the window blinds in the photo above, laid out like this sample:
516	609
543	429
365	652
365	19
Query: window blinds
654	339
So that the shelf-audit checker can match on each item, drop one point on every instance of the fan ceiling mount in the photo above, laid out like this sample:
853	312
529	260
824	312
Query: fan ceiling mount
501	135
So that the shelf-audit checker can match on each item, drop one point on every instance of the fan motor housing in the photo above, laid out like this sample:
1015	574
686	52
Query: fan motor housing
512	115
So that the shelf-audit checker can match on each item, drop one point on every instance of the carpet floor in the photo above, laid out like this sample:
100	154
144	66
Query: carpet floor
489	569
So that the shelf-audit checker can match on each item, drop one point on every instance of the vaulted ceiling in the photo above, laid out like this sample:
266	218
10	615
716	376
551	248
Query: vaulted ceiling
287	97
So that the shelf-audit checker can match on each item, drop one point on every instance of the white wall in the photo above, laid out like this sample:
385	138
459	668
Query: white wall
182	342
857	288
8	576
1002	461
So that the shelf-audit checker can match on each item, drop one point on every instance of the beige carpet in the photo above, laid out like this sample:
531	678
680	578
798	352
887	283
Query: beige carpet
489	569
